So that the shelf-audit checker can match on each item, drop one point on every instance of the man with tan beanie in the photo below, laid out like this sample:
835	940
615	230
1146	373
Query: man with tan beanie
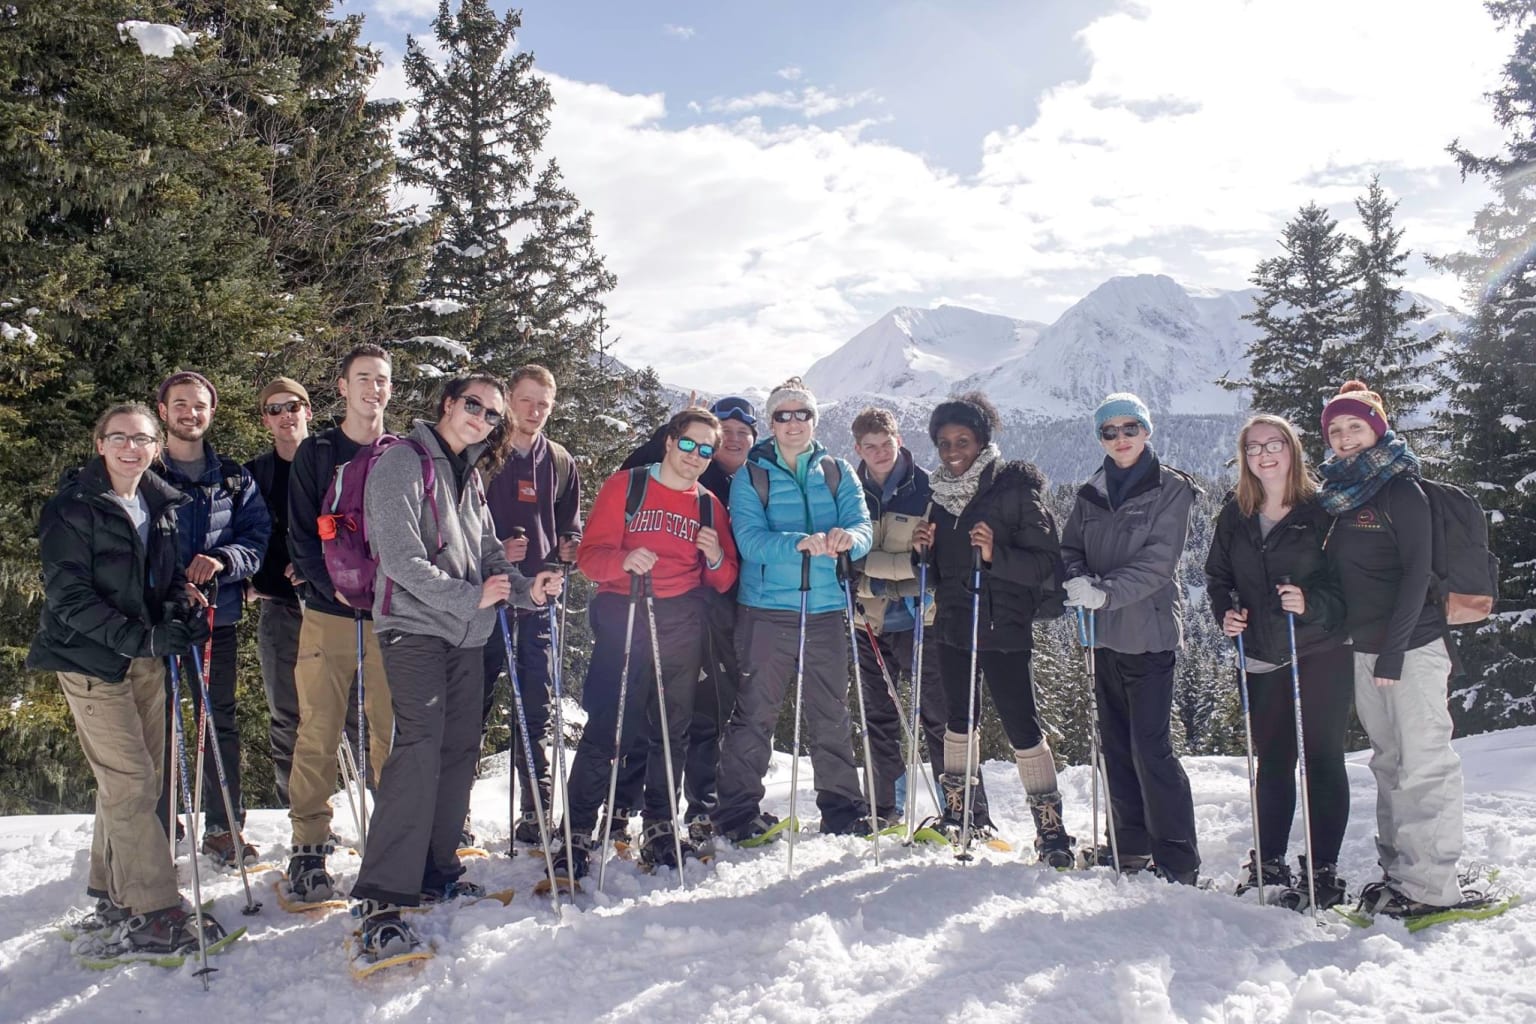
285	413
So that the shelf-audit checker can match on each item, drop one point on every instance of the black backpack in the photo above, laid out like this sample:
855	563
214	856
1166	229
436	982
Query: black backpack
634	497
1466	571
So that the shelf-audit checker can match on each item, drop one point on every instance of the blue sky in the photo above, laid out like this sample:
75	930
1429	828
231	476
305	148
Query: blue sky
768	179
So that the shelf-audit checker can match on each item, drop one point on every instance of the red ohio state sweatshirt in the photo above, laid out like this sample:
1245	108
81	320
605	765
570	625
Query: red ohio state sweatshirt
667	522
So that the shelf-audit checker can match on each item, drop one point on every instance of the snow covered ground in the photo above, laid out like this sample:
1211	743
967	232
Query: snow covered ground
919	937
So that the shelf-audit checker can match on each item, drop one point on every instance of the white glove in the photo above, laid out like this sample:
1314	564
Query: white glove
1088	596
1077	586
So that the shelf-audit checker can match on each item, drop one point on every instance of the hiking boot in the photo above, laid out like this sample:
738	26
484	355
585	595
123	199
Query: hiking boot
1276	877
575	862
1330	888
221	846
1052	843
619	830
171	930
752	828
105	914
1384	899
383	933
307	878
658	848
454	890
527	829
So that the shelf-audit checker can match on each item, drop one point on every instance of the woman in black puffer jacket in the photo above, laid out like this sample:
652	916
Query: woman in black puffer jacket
1267	553
114	609
995	508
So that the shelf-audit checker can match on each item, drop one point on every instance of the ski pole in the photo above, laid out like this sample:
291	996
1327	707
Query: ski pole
348	765
972	748
1253	779
178	732
522	728
557	680
666	726
1087	630
794	763
907	735
914	763
845	570
566	568
1301	756
517	533
618	731
362	741
252	906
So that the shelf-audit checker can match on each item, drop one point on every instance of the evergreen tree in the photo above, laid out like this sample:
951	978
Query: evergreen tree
649	408
1384	350
1303	310
1491	383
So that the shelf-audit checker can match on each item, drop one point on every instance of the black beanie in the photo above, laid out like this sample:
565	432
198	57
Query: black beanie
964	412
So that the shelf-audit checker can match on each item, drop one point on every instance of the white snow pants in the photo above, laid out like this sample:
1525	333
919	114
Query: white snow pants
1418	775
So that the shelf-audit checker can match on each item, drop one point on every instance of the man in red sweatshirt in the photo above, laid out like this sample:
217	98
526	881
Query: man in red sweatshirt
655	521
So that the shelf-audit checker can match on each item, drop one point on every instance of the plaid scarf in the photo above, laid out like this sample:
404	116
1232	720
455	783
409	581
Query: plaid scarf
952	492
1350	483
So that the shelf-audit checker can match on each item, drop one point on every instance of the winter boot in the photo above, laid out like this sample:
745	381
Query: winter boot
953	821
862	827
382	932
1330	888
221	846
172	930
105	914
752	828
1052	843
1101	857
458	889
307	878
466	834
574	863
526	830
1276	876
657	849
619	833
1385	899
701	831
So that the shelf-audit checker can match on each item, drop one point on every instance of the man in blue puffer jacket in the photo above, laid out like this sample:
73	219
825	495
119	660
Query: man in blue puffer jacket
792	501
223	534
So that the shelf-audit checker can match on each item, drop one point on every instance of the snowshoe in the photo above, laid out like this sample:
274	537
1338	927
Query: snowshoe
1330	889
658	848
1275	874
105	914
526	831
574	863
863	827
458	889
758	831
171	930
307	880
1053	845
383	939
701	831
619	833
1101	857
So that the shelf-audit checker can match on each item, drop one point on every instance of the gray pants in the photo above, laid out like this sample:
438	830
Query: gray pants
766	646
1418	775
413	835
277	644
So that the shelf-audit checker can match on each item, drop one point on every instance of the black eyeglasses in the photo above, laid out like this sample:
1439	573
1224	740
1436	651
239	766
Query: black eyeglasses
1109	431
734	409
475	407
1274	446
688	444
785	415
278	408
118	439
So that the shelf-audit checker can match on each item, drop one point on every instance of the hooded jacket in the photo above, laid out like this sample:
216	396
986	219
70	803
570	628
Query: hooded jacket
888	589
1134	551
1025	554
226	519
103	591
766	537
432	566
1243	559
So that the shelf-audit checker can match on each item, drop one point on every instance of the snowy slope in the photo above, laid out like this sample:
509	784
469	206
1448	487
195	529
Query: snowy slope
917	938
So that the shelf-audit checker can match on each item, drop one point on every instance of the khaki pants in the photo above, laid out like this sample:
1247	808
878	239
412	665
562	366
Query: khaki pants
122	731
324	673
1418	775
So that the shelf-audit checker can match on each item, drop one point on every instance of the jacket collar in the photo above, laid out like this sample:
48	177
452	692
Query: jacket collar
1096	490
903	471
213	469
92	482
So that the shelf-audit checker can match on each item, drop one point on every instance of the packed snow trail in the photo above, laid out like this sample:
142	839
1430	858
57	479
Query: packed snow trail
920	938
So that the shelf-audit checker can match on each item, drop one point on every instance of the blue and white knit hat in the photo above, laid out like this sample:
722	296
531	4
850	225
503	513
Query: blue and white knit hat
1122	403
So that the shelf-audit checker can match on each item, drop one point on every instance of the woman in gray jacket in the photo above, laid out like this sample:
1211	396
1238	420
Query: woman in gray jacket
441	573
1121	547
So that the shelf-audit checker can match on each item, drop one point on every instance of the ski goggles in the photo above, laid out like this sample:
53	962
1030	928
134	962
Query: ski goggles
689	445
734	409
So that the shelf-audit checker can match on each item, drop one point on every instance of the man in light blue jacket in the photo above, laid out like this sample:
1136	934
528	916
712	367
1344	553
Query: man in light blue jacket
792	503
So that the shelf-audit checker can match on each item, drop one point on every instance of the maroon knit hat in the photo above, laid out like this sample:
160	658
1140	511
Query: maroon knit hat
188	377
1357	399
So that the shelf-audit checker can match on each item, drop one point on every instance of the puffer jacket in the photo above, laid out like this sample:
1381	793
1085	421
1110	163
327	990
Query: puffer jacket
226	518
103	591
1026	554
1134	551
887	592
766	537
1243	559
432	565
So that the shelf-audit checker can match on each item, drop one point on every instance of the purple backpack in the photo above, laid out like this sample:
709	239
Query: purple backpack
350	560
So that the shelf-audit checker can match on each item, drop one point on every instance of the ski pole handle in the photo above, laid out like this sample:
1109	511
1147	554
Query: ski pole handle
646	589
634	584
805	571
844	567
976	560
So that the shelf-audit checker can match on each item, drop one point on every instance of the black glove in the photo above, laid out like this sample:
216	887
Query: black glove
198	630
166	638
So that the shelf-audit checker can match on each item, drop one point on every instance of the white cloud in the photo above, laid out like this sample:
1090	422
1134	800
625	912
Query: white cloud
746	251
789	74
679	31
405	13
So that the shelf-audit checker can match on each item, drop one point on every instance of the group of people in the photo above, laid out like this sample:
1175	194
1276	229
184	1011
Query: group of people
729	568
